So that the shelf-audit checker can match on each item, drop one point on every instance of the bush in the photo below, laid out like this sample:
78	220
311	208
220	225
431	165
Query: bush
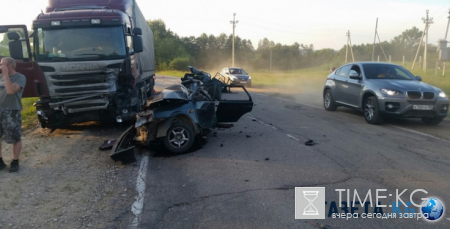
179	64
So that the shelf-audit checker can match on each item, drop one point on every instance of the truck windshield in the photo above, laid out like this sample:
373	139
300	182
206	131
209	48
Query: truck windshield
80	44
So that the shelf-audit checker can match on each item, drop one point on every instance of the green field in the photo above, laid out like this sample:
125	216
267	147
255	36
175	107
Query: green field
29	118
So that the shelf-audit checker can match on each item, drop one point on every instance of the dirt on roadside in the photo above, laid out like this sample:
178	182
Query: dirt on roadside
65	181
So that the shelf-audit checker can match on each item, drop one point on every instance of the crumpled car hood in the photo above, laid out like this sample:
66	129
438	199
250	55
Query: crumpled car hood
169	95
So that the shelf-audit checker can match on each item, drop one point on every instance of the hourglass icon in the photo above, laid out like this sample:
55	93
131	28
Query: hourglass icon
310	196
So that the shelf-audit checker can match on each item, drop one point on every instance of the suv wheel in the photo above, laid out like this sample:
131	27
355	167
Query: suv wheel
371	111
328	101
432	121
179	138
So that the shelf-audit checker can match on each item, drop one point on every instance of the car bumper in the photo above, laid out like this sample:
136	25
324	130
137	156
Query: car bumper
407	109
242	82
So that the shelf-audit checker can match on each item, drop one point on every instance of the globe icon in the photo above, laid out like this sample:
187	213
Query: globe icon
433	208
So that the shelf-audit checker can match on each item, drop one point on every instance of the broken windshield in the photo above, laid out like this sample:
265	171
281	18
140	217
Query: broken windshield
78	44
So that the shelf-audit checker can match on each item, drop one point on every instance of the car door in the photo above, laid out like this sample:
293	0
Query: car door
341	81
354	88
205	114
16	44
233	104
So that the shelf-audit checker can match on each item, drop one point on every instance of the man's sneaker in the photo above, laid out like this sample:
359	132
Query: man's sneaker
2	165
14	166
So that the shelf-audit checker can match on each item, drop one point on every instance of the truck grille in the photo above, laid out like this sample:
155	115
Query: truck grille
414	94
72	85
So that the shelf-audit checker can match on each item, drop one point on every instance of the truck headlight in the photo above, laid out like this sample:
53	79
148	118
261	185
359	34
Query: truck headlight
442	94
390	92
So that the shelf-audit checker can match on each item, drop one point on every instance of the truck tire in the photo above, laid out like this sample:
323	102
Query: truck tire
179	138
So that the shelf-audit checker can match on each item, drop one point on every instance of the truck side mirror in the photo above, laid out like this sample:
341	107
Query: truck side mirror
137	31
138	46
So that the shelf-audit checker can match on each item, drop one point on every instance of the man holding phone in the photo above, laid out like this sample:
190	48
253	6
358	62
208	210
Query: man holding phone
12	84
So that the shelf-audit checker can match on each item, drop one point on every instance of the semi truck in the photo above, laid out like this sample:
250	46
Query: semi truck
89	60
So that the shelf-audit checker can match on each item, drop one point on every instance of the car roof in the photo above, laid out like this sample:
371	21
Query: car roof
372	62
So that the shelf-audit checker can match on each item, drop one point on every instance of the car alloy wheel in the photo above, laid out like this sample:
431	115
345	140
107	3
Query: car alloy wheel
179	138
371	112
328	102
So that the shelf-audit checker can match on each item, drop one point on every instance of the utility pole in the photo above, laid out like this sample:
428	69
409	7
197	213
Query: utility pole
420	44
379	41
349	43
427	22
346	47
448	24
270	64
374	40
234	22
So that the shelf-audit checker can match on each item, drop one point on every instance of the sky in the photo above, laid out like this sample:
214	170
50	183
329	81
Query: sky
323	23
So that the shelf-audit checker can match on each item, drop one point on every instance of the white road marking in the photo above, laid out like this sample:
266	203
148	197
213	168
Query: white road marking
420	133
251	116
138	205
293	137
412	131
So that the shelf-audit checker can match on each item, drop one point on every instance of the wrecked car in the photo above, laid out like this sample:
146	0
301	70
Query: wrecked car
180	113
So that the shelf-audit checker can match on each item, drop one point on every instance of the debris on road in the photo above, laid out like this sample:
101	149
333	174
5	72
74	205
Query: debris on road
310	143
108	144
266	159
221	145
248	136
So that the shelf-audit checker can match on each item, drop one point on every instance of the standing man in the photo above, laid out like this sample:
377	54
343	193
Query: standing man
12	84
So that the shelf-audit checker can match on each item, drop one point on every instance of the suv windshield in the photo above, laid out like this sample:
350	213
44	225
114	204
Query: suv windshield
78	44
387	71
237	71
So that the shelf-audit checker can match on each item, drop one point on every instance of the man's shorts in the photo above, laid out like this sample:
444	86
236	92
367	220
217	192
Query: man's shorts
11	125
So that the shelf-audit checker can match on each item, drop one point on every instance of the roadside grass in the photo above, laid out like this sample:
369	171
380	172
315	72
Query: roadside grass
171	73
29	117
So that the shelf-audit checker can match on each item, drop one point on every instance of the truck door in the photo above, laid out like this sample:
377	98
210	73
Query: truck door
233	104
14	42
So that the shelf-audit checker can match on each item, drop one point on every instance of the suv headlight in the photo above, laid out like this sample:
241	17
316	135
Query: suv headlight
390	92
442	94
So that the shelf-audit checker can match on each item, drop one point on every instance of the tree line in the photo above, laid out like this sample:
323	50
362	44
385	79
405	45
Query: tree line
173	52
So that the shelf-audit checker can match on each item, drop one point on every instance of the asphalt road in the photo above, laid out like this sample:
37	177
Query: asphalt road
245	177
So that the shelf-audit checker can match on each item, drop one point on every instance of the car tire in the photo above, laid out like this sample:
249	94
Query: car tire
328	101
371	111
432	121
179	138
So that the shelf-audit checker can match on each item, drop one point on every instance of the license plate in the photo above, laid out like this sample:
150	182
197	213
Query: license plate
423	107
243	81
